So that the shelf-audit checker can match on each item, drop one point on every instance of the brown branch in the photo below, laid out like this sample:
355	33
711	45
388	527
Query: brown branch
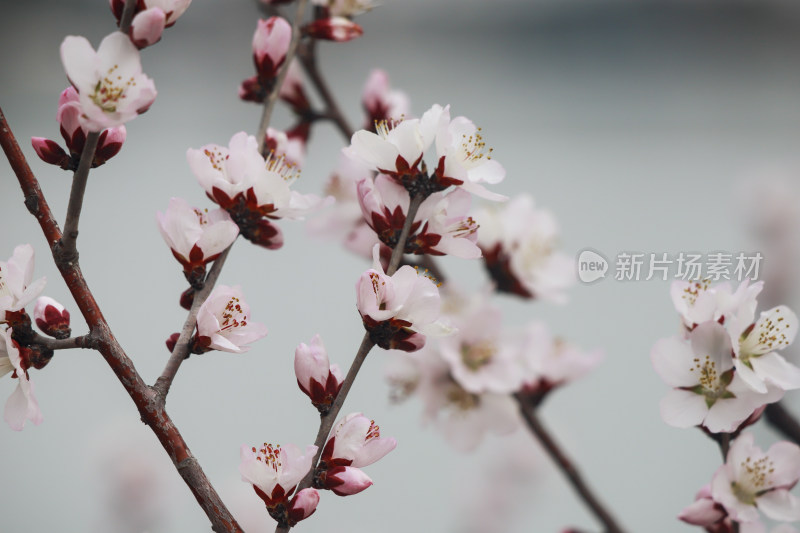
781	419
67	247
181	350
84	341
308	59
151	411
269	104
559	457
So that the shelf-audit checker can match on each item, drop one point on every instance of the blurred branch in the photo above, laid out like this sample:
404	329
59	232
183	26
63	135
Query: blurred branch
565	464
781	419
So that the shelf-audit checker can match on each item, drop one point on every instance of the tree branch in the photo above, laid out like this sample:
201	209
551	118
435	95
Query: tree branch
84	341
308	59
152	413
269	104
127	16
400	247
559	457
67	251
181	350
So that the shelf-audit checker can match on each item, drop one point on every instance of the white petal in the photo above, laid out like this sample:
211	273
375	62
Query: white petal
683	409
779	505
772	367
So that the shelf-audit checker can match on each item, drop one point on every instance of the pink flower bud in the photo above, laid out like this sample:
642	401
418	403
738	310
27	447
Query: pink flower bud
270	44
303	505
251	90
52	318
50	152
316	377
346	480
68	112
264	234
109	144
292	91
337	29
147	27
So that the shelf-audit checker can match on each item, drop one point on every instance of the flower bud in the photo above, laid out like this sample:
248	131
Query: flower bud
52	318
265	234
345	480
337	29
317	378
302	505
50	152
270	44
172	341
109	144
147	27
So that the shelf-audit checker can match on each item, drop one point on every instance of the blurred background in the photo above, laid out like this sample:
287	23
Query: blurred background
659	126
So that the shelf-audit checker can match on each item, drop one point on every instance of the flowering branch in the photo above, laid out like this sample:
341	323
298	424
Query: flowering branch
127	16
566	466
181	350
269	103
152	413
399	249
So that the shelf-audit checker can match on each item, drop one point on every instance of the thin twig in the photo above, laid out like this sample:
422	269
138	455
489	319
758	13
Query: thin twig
152	413
400	247
781	419
308	59
67	248
181	350
84	341
269	104
724	445
559	457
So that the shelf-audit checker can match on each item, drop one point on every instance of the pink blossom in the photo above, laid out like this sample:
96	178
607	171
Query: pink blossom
195	236
441	225
270	44
147	27
111	86
699	301
519	249
292	149
21	405
339	29
223	322
317	378
16	286
356	441
752	481
707	391
345	8
108	144
482	357
275	471
51	317
548	362
380	102
398	310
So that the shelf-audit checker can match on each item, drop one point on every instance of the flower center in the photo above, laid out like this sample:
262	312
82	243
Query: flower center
383	127
285	170
216	159
477	355
233	315
473	149
461	399
270	455
202	216
110	89
374	431
691	292
755	474
706	373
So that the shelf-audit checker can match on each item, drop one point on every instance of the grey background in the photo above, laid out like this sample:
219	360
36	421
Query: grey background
634	122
